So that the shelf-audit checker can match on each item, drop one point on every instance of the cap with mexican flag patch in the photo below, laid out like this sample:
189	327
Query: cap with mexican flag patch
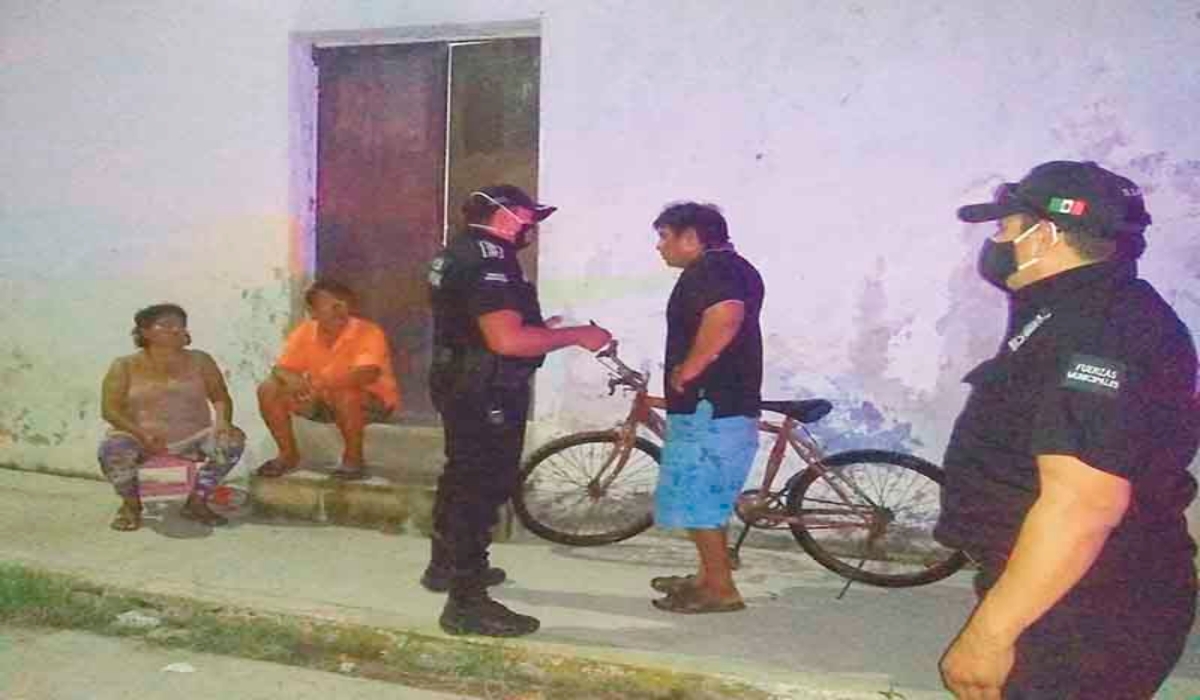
1077	194
1074	207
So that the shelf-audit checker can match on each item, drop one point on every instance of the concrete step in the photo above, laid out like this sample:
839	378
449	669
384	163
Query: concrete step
399	453
404	463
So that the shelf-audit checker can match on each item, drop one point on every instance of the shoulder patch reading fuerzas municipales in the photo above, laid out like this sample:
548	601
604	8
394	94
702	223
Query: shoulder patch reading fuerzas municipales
1094	374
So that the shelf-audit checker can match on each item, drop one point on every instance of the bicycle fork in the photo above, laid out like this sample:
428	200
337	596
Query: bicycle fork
613	465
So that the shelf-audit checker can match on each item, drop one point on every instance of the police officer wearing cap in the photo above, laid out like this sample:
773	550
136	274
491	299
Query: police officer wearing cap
489	338
1066	472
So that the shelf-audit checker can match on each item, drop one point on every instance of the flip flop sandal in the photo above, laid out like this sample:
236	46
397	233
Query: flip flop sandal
346	473
672	584
689	602
274	468
126	521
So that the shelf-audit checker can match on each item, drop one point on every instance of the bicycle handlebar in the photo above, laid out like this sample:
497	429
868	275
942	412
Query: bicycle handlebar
623	374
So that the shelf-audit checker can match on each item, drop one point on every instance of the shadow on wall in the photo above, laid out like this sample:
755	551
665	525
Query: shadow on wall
857	420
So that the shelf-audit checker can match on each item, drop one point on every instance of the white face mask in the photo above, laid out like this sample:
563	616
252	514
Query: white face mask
521	239
1025	234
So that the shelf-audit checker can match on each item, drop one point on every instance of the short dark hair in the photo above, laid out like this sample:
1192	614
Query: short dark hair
1094	246
705	219
147	317
1091	245
333	288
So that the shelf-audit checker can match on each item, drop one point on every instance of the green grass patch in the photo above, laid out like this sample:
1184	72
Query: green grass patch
481	669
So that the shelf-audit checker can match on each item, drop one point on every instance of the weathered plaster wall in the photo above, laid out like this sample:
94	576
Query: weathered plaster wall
840	138
155	151
144	162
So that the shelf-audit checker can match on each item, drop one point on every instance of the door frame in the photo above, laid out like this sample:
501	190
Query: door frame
302	124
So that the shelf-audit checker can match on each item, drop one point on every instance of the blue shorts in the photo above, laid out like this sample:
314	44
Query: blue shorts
705	462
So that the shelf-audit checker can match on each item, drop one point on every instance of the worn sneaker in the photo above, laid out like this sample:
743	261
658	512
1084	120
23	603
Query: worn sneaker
484	616
437	580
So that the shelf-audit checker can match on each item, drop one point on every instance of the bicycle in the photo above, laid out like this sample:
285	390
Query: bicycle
596	487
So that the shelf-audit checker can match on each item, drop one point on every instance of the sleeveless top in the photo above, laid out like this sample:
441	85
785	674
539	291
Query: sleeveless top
176	409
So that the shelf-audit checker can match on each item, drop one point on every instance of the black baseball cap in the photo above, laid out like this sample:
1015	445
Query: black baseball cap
512	196
1075	194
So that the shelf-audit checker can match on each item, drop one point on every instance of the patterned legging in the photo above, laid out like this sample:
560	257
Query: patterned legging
120	454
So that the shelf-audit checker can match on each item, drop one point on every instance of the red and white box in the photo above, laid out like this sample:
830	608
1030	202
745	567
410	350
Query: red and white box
166	478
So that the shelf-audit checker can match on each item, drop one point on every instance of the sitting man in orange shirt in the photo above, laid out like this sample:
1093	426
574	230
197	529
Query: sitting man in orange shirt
335	367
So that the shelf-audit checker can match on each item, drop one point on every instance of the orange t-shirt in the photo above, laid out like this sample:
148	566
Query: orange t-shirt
361	344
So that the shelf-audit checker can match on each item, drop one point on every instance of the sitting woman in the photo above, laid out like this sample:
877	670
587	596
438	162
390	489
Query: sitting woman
162	400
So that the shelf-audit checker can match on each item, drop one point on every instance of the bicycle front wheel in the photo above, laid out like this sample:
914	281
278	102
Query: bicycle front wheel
568	493
869	515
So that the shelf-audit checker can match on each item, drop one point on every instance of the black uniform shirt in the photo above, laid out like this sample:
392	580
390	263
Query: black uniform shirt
733	382
476	274
1097	366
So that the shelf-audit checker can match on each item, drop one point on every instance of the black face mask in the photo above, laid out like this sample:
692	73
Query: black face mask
997	262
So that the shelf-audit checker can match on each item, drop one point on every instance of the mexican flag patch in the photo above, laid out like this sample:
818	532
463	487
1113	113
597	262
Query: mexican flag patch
1074	207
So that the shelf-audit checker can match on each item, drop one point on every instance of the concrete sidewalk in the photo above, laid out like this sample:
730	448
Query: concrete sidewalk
69	665
795	638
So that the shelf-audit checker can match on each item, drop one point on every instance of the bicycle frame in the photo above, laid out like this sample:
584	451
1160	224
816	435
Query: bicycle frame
760	505
641	413
826	493
755	505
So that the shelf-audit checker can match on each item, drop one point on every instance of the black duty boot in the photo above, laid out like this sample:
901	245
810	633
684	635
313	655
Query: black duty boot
479	614
437	578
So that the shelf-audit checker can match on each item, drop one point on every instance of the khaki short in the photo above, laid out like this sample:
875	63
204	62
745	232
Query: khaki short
375	409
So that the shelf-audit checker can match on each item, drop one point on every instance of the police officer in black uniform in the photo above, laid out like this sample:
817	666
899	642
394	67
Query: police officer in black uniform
489	338
1067	470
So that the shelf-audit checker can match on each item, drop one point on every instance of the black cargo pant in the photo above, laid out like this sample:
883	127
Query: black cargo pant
1112	640
484	436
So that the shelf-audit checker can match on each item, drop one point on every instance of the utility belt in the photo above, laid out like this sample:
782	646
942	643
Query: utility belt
474	371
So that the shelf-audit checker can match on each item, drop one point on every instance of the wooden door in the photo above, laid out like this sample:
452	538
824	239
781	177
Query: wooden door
494	99
381	146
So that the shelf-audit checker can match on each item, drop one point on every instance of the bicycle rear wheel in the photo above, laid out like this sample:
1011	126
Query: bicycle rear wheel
882	536
561	497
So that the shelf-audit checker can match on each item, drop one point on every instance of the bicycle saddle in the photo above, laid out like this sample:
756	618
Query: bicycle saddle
809	411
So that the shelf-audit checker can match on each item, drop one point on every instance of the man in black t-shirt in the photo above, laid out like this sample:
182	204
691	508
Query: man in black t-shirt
712	387
1067	470
489	337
